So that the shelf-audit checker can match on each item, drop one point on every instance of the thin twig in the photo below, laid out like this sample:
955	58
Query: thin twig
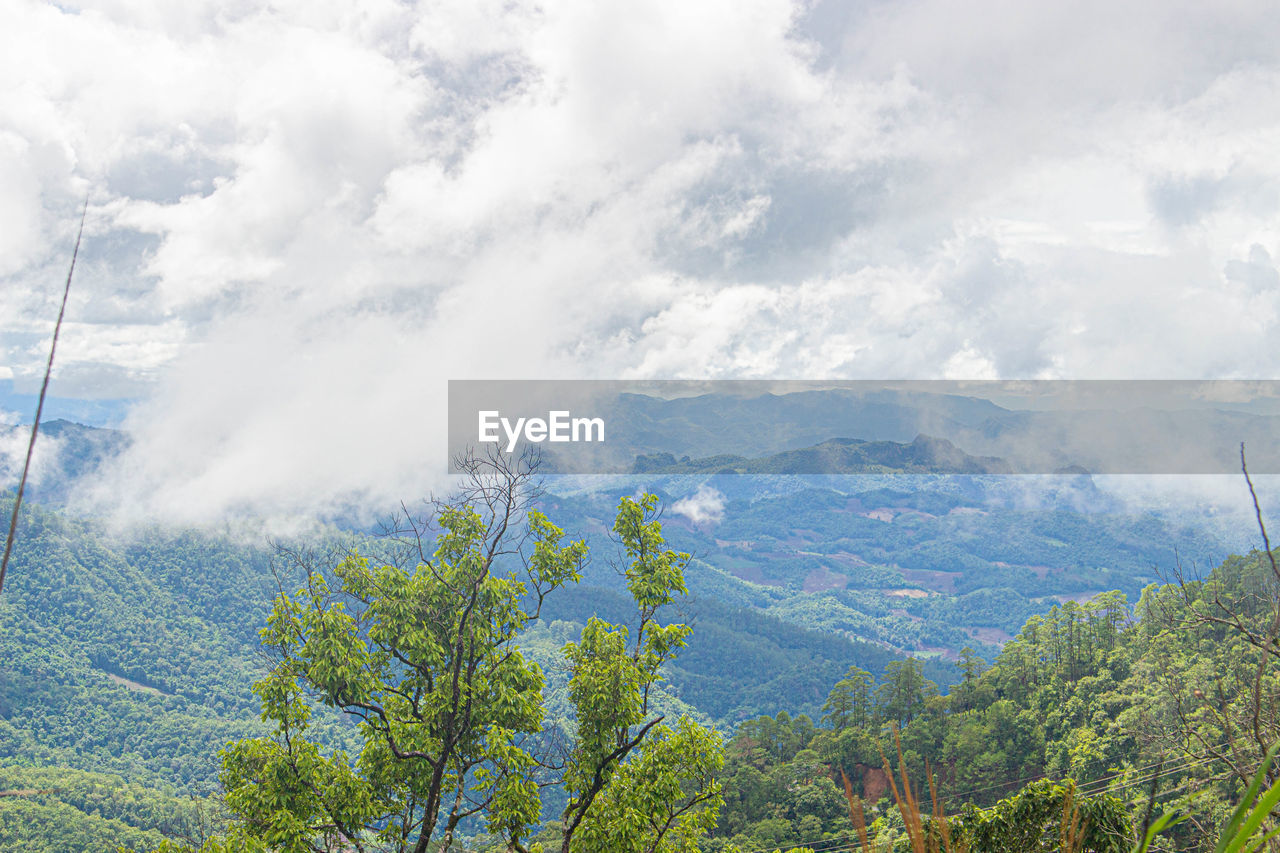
44	388
1274	635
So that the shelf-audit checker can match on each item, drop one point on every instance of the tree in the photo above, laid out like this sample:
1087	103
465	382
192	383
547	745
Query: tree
426	657
1226	700
849	704
903	690
1045	816
616	806
964	694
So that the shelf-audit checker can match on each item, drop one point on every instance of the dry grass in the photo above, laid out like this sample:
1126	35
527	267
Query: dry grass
934	835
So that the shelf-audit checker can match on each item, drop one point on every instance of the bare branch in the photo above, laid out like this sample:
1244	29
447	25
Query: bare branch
44	389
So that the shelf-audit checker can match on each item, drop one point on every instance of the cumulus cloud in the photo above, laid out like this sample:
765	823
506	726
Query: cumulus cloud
306	217
705	506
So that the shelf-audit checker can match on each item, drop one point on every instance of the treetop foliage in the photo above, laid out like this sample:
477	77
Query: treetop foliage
450	713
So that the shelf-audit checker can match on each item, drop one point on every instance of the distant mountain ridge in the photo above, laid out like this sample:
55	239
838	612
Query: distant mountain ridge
923	455
1127	437
753	426
80	451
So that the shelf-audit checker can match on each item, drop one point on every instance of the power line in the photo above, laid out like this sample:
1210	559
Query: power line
818	846
965	795
1183	787
1094	790
1088	789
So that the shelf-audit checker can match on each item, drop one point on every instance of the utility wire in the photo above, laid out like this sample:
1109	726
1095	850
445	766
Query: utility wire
1090	788
1185	786
965	795
1107	788
1103	783
44	389
819	846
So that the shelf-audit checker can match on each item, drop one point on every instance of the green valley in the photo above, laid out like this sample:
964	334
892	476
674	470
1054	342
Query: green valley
1007	628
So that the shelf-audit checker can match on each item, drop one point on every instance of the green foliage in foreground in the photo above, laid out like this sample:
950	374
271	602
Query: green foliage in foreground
1252	825
450	711
1042	817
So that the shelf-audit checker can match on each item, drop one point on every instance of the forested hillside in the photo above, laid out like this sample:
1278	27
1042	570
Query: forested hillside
1175	697
927	565
129	661
136	656
58	809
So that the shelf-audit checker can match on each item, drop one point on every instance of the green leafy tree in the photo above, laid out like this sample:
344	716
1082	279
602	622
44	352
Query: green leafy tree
1045	816
450	712
850	704
668	795
426	659
964	694
903	691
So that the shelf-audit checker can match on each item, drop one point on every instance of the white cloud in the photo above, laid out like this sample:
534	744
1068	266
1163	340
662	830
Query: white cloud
705	506
305	217
14	440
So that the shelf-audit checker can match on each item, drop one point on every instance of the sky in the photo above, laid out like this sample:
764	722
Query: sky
305	217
